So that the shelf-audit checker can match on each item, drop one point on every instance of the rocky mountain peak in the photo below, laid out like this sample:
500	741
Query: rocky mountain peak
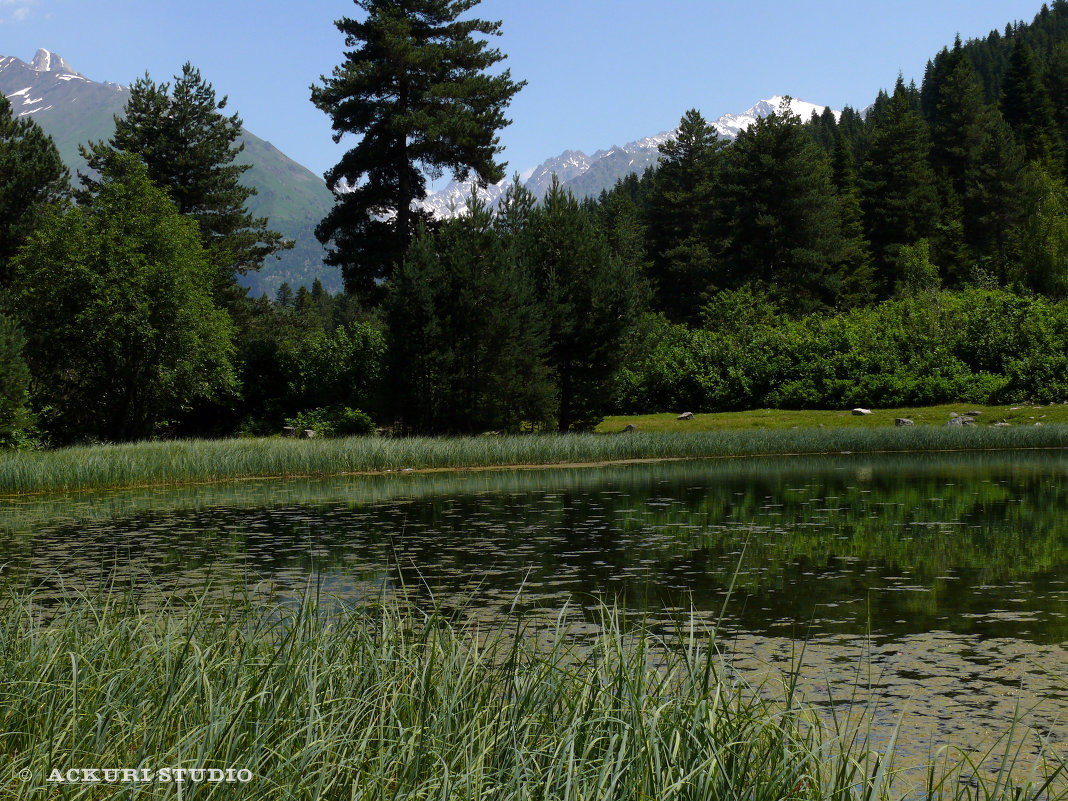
588	175
47	61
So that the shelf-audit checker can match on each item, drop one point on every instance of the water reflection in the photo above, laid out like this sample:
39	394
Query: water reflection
972	544
942	576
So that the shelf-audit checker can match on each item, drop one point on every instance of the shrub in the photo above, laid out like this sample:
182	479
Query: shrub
976	345
335	421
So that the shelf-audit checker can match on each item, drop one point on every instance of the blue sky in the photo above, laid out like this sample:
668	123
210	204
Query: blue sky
599	72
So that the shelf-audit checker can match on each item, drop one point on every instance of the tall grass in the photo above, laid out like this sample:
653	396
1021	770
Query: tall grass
214	460
393	704
31	512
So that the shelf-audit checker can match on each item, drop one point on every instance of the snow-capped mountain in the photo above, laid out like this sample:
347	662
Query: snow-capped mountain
452	200
730	125
568	165
588	175
48	83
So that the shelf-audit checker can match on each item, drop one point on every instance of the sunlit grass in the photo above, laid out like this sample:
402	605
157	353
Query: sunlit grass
392	703
190	461
785	419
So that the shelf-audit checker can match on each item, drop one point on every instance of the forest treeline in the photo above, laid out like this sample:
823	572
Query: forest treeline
913	253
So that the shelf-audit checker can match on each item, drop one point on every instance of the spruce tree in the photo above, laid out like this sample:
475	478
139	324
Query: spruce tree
933	78
975	153
189	149
32	175
898	191
466	337
414	86
1057	86
785	229
854	277
591	301
851	127
686	226
1026	106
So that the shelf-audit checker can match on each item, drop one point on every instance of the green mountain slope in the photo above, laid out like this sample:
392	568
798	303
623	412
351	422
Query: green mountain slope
75	110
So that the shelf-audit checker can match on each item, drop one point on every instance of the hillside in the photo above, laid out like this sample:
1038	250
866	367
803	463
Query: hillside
74	110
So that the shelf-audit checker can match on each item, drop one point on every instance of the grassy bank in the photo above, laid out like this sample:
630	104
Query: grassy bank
785	419
390	704
191	461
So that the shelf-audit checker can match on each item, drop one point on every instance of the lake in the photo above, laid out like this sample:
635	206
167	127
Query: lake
930	588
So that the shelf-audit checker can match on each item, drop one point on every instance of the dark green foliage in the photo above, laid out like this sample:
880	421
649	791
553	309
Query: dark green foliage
851	126
188	148
351	422
1026	106
897	185
1040	244
993	55
621	221
14	385
414	87
339	367
854	272
590	297
785	226
466	334
686	223
1057	87
284	296
114	295
824	129
975	153
322	355
32	175
976	345
335	421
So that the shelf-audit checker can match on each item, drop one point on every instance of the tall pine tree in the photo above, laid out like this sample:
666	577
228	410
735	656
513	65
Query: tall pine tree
414	87
1026	106
686	225
786	228
466	337
591	301
854	276
974	152
898	192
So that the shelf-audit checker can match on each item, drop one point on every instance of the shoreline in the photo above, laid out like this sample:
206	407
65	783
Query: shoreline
181	463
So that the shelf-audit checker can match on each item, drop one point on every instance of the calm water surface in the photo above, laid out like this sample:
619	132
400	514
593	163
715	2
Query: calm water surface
936	586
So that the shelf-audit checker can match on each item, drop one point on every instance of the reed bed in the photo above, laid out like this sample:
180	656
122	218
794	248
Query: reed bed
192	461
31	512
391	703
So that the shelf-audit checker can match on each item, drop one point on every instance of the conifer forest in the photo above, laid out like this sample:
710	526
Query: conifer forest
914	252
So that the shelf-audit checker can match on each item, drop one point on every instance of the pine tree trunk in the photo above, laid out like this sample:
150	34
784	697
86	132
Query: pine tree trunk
404	209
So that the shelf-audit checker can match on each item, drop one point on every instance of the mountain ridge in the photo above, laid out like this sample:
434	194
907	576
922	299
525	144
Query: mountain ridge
74	110
588	175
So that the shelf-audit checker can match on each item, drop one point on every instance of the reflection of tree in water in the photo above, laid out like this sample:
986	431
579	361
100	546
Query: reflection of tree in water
911	543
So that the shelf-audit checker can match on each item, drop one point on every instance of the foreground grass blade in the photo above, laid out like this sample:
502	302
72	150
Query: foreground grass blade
396	703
